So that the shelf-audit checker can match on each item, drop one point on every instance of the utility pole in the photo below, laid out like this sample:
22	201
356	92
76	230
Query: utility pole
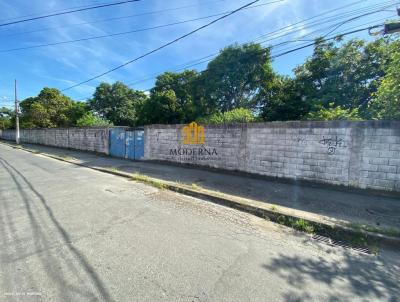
16	114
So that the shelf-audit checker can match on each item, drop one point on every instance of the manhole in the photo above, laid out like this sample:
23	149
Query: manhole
332	242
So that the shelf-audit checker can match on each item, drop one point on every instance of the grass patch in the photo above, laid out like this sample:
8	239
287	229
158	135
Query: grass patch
196	187
373	229
297	224
66	157
151	181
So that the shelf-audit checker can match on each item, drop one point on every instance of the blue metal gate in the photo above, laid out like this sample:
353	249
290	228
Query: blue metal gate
130	144
139	144
117	142
127	143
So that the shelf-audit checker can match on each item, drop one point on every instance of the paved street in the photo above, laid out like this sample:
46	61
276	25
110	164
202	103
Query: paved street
68	233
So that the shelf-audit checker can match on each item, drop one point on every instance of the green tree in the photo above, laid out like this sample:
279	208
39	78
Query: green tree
281	100
346	74
91	120
233	79
161	108
5	118
238	115
172	99
50	109
334	113
386	102
117	103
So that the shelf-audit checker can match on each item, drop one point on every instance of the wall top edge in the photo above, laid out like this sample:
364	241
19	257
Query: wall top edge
295	124
289	124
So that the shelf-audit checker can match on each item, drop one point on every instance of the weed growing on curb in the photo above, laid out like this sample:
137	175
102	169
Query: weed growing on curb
196	187
297	224
148	180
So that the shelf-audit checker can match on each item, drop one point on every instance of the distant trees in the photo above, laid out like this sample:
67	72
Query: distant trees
334	113
234	78
117	103
172	99
350	80
50	109
91	120
336	77
238	115
282	100
386	101
5	118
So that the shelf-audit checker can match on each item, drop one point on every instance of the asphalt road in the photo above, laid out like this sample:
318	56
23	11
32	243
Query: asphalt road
68	233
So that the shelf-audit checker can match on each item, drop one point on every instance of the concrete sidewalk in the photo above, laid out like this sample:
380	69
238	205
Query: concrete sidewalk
357	208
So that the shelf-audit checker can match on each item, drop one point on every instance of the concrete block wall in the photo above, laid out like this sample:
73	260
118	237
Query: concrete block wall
88	139
354	154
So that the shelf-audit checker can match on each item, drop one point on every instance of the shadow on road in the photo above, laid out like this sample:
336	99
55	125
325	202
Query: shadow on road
356	206
367	278
43	248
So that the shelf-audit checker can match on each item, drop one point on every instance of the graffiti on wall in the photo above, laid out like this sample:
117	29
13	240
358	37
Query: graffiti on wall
332	143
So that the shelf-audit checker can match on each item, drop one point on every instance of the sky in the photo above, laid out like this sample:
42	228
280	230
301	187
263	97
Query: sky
61	66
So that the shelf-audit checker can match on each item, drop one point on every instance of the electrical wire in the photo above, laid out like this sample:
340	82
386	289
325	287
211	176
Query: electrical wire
67	12
275	46
285	52
284	30
128	32
49	11
163	46
165	10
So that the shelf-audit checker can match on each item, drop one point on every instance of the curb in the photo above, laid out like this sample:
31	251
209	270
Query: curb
277	214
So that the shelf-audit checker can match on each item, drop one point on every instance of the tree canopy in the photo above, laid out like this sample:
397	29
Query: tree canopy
117	103
171	99
386	101
234	78
5	118
50	109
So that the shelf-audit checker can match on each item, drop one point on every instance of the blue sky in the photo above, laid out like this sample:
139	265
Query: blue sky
63	65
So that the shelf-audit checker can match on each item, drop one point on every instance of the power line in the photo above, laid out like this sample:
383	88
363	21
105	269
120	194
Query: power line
211	56
285	52
208	58
68	12
328	39
128	32
329	28
165	10
48	11
302	23
354	18
300	47
163	46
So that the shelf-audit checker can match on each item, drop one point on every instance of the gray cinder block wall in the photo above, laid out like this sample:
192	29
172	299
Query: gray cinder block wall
354	154
88	139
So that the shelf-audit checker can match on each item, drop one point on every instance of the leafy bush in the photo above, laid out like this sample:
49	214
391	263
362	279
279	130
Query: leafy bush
334	113
386	102
239	115
91	120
